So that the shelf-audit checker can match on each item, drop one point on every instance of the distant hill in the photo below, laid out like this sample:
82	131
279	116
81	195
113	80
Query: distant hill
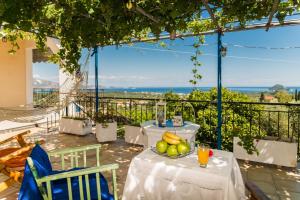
277	87
40	83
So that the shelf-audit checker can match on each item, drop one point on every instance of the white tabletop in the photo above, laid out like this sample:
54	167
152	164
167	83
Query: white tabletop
188	127
154	133
152	176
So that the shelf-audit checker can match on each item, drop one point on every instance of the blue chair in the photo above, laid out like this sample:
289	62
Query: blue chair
42	182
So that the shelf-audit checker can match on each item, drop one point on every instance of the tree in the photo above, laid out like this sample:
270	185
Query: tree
262	97
283	96
240	120
85	24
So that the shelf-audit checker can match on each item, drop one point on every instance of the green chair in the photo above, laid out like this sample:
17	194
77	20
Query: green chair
75	156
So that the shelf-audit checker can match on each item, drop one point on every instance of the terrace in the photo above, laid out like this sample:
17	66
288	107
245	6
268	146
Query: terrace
276	182
232	126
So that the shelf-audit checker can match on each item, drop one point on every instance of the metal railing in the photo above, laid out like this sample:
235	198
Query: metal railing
281	121
42	93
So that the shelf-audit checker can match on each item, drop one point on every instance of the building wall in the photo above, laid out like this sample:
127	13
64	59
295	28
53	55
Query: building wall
16	74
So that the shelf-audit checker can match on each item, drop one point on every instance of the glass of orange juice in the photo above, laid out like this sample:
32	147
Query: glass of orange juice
203	154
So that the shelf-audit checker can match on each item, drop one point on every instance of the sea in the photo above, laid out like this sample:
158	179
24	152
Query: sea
178	90
186	90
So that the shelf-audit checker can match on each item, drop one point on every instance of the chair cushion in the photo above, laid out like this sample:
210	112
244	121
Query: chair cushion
41	161
29	189
60	187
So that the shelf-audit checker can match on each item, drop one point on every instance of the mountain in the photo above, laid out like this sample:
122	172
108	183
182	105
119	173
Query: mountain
40	83
277	87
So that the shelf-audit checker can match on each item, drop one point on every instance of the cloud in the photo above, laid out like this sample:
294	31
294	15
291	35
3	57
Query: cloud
36	76
120	78
47	78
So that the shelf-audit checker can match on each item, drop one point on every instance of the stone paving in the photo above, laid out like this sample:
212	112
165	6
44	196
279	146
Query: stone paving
277	183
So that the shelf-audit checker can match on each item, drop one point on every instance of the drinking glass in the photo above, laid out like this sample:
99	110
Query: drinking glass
203	154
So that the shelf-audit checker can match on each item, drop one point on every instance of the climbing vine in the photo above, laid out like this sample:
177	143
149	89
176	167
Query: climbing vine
86	23
195	59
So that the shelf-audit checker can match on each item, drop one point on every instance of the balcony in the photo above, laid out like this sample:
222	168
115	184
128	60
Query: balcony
276	121
276	182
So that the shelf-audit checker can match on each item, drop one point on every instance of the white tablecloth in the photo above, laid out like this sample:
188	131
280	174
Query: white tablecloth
153	177
154	133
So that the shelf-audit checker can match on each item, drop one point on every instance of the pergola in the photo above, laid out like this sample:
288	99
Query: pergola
148	16
266	24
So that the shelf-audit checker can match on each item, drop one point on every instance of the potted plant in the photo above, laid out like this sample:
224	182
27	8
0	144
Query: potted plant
106	128
269	150
75	125
134	134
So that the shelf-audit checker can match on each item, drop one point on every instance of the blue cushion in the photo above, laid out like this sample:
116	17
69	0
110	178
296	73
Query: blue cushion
60	188
41	161
30	191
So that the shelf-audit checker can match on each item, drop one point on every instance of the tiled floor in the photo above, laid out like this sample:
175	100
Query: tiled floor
278	183
114	152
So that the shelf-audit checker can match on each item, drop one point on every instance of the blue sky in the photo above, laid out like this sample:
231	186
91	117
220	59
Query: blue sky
149	65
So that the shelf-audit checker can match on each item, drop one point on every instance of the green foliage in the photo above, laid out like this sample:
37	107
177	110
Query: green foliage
262	97
171	96
195	59
237	118
84	24
283	96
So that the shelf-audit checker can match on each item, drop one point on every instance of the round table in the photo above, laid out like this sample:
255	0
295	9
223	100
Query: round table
154	133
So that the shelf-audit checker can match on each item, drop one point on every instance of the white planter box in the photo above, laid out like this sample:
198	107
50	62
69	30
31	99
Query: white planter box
74	126
135	135
106	134
270	152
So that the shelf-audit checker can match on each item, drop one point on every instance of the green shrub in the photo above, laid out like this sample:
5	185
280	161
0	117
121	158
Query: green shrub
239	120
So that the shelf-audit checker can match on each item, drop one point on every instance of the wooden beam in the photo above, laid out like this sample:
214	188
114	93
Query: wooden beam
274	9
6	184
11	136
143	12
22	150
210	32
212	15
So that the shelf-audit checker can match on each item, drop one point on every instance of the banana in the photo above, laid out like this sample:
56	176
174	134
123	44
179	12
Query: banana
170	140
172	136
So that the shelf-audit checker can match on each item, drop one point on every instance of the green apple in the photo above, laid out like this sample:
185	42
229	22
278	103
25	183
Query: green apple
161	146
173	146
172	151
189	146
183	148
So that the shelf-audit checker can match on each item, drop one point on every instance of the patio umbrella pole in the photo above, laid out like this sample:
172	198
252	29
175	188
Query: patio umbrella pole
96	80
219	97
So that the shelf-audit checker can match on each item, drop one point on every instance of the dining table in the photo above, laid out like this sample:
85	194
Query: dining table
154	132
155	177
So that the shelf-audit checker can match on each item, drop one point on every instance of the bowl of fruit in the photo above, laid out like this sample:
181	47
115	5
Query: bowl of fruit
172	146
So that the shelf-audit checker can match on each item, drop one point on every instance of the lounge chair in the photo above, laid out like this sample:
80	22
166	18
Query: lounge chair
12	159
